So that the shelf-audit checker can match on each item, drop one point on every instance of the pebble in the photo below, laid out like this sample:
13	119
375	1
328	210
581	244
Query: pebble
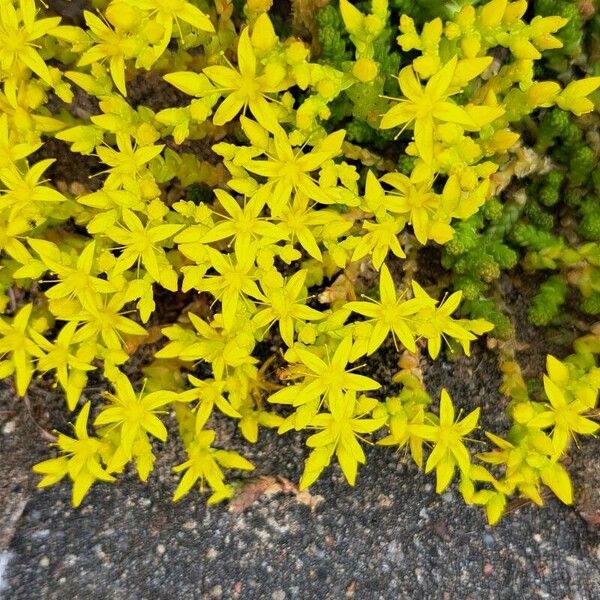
160	549
384	501
40	534
44	561
211	554
9	427
278	595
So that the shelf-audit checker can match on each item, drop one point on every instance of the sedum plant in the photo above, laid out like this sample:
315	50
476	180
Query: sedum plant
281	201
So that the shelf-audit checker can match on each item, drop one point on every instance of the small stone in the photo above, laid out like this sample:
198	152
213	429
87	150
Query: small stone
384	501
78	189
211	554
488	568
537	537
216	592
40	534
278	595
44	561
61	186
9	427
189	525
160	549
488	540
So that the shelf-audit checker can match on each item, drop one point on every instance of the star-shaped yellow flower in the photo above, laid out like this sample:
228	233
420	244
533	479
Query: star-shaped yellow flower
449	450
244	88
19	35
426	105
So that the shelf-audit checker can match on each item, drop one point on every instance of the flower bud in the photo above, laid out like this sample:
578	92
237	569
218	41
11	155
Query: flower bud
365	69
542	93
122	16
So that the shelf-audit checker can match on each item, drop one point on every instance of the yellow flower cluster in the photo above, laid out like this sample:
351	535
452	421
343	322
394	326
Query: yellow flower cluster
299	209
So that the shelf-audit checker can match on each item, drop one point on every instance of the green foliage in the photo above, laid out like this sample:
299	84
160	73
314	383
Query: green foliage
332	36
571	35
549	300
307	163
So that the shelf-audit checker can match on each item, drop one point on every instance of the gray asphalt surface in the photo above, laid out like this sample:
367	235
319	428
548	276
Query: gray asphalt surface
390	537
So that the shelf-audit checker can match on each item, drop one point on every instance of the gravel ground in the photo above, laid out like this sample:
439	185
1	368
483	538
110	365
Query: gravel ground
389	537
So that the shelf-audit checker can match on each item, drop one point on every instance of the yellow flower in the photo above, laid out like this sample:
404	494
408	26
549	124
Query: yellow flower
297	218
526	463
204	463
25	193
244	224
381	237
225	349
134	414
18	34
285	306
15	340
128	163
81	461
449	450
565	415
104	318
75	280
424	106
143	244
208	393
169	12
390	315
244	88
435	322
11	150
338	433
11	229
234	283
117	46
69	363
288	170
415	199
574	96
322	380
